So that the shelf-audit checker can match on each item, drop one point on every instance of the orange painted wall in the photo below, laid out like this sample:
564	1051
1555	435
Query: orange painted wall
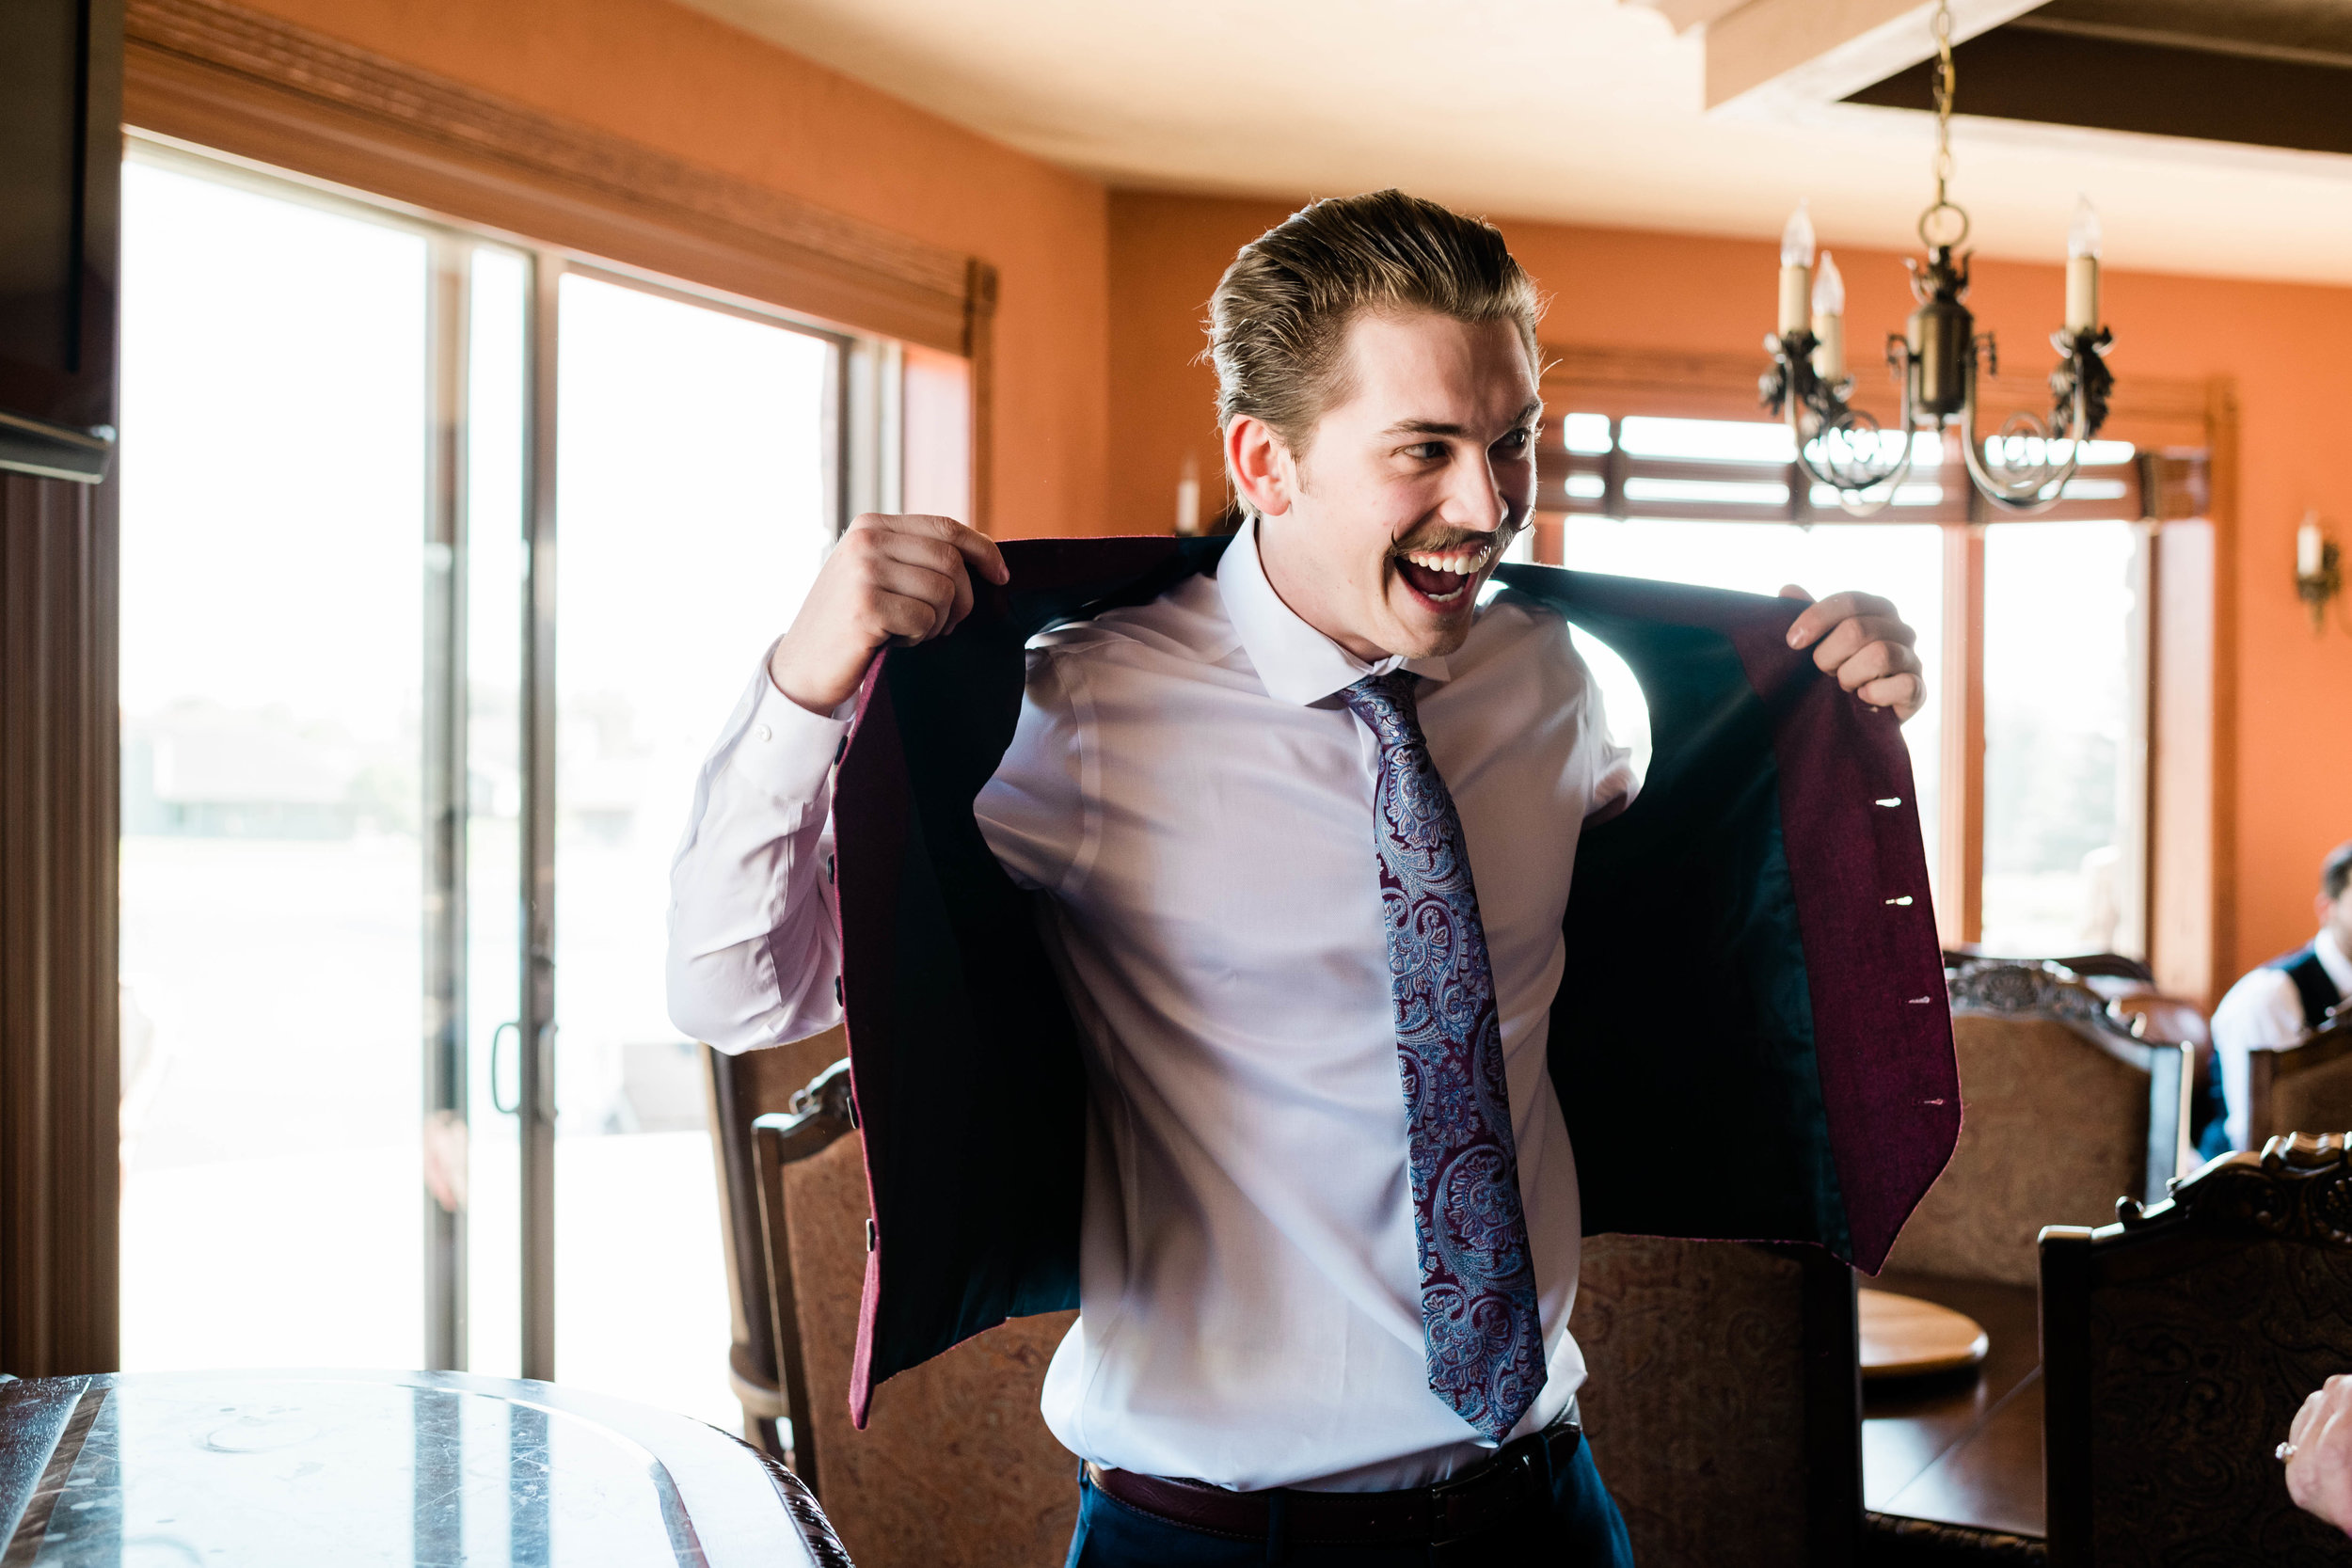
676	80
2288	347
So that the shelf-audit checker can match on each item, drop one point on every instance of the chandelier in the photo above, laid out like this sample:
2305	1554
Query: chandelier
2025	466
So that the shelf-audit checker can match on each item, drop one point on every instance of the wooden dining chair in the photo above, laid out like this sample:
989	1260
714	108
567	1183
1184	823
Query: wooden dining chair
2063	1109
2176	1347
2306	1085
1724	1400
741	1088
956	1468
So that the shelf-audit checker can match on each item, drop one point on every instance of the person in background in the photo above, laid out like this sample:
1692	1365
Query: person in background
2284	1000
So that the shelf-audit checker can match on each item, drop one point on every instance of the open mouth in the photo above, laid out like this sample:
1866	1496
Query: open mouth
1444	576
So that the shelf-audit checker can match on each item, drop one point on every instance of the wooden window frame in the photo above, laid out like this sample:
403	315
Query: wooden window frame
2185	485
238	84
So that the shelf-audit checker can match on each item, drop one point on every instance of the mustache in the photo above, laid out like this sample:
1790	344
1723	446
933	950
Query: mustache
1444	540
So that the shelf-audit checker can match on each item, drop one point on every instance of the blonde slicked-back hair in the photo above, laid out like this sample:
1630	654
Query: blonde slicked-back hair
1277	322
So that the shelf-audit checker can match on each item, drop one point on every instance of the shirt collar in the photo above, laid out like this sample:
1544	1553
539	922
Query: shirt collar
1296	663
2334	959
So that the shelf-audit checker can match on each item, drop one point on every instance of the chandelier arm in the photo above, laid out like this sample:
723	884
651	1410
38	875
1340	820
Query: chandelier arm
2018	497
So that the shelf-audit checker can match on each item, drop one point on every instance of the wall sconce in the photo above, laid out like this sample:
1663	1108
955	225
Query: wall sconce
2318	578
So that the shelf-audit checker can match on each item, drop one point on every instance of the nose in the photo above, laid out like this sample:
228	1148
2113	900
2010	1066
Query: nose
1474	498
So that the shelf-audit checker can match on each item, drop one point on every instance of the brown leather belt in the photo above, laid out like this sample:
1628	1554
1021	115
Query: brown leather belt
1453	1510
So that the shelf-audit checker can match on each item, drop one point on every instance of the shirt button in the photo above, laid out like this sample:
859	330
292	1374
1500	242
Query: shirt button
761	732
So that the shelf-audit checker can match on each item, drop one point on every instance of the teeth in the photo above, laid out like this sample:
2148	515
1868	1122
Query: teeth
1461	563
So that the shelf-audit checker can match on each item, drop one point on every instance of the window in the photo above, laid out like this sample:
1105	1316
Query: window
402	781
2058	825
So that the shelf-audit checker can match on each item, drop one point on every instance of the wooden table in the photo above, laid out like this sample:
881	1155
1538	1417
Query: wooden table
301	1468
1964	1449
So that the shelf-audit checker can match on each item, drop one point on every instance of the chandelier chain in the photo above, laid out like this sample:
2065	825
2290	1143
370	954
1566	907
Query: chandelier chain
1946	78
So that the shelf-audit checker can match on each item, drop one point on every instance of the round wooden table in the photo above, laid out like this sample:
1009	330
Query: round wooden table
1905	1336
260	1469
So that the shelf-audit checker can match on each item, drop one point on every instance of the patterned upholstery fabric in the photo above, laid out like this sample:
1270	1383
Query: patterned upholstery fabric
2195	1376
956	1468
2316	1100
2177	1347
1695	1397
2053	1131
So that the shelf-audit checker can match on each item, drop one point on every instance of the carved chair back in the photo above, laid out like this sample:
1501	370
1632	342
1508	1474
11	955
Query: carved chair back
2063	1111
1724	1404
2309	1085
2176	1347
956	1468
742	1088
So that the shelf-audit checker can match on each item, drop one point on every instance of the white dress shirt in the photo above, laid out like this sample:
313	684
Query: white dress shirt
2265	1012
1188	791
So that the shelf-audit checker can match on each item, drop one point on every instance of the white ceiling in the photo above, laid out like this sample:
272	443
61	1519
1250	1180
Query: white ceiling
1583	111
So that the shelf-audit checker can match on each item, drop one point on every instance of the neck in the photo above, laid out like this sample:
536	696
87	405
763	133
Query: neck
1293	583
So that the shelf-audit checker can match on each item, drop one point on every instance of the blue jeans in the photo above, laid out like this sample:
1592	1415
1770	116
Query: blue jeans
1581	1529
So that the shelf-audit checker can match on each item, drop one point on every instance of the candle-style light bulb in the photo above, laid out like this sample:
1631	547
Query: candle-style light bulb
2083	240
1796	238
1796	271
1829	321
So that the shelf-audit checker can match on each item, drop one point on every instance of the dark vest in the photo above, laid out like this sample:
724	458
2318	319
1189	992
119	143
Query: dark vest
1750	1041
2312	984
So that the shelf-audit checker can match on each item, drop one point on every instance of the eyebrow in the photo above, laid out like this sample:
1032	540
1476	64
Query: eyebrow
1439	427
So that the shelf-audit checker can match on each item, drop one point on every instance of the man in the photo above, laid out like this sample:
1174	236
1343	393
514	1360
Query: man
2286	999
1305	829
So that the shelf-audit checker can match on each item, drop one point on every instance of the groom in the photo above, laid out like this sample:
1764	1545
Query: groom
1203	928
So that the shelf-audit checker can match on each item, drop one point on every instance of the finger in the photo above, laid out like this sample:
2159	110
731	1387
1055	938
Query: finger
974	546
1820	617
901	619
1848	637
2300	1427
1874	662
1905	693
934	591
1790	590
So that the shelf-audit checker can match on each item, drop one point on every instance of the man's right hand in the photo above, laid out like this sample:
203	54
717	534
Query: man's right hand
903	579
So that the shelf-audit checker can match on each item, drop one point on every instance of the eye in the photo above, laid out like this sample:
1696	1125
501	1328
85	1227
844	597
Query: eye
1427	451
1517	442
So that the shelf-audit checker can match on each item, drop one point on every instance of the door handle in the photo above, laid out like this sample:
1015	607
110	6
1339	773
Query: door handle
495	1103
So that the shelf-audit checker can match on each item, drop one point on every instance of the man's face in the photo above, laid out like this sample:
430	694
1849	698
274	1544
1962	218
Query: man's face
1410	487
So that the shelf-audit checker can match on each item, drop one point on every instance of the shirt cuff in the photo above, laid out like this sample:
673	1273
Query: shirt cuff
786	748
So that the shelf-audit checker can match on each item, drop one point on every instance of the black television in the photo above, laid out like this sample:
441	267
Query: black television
60	219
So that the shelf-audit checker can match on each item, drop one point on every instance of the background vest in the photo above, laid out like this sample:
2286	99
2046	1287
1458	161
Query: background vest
2318	992
1751	1039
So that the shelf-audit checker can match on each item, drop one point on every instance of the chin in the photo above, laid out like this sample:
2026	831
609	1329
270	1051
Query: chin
1422	629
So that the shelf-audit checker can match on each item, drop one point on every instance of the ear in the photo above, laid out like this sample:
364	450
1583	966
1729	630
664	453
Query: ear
1261	465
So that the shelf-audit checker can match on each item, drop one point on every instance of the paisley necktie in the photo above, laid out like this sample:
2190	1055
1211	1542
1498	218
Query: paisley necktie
1479	1319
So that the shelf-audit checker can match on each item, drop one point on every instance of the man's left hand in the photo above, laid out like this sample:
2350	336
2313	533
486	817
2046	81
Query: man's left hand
1859	638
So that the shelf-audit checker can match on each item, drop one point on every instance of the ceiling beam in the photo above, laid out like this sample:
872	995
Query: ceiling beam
1787	57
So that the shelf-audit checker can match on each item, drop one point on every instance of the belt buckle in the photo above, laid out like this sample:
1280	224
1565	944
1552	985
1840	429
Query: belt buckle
1513	1470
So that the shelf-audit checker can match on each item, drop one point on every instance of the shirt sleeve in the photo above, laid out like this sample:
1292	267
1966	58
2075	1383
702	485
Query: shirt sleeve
1615	783
2262	1012
755	955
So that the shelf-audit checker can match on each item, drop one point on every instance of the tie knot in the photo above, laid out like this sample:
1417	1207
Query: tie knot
1384	699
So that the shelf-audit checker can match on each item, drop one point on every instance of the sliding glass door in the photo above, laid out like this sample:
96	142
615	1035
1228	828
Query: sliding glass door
400	791
693	505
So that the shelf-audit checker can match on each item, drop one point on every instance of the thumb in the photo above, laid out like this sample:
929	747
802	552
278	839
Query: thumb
1790	590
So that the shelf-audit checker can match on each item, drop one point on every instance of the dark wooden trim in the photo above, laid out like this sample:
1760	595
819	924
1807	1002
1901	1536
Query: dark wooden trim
979	346
242	82
60	1056
2045	71
1833	1407
2066	1391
